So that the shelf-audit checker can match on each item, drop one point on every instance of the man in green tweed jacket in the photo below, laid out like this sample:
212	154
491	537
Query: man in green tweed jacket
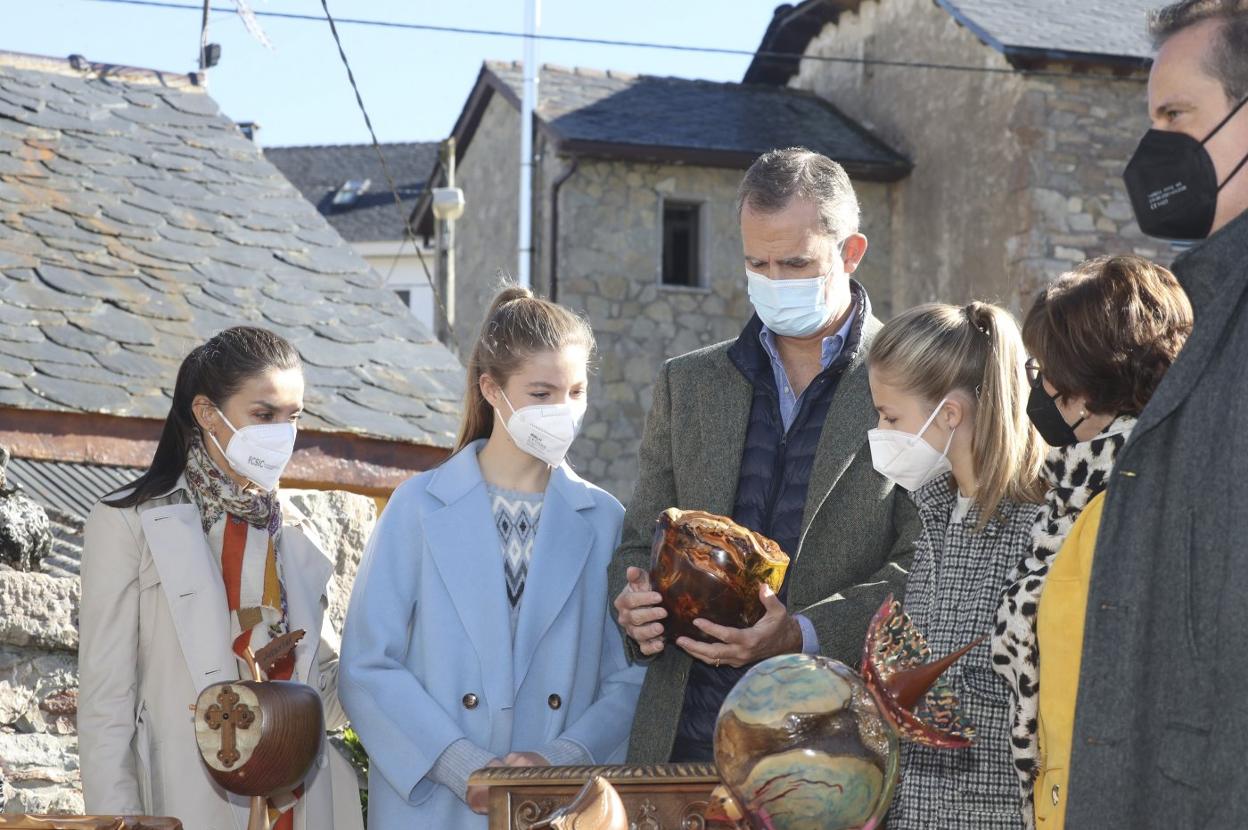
770	429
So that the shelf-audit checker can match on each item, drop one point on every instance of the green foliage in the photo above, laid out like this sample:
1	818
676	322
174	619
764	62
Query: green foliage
359	759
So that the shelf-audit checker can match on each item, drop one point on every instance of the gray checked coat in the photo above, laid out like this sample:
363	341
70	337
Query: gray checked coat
857	531
1161	728
953	594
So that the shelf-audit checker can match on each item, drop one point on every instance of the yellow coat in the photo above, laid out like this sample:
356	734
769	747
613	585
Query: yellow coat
1060	634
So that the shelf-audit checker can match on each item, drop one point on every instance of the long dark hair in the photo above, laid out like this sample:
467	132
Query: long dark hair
215	370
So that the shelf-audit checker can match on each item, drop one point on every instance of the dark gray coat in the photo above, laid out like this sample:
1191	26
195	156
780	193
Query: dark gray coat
858	532
1161	729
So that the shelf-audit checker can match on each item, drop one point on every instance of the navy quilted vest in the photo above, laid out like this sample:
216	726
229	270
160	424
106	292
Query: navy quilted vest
771	497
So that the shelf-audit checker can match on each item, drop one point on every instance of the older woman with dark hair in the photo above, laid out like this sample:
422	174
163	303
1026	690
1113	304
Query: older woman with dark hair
1101	337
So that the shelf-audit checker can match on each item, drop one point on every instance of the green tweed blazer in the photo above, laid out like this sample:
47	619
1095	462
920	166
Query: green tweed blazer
858	531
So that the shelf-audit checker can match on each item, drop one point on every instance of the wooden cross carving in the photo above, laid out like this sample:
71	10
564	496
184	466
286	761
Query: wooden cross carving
227	715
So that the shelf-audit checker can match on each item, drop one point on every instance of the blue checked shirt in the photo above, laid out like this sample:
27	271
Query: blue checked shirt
789	403
832	346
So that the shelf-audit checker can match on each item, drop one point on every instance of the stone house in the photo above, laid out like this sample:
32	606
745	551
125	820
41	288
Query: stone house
984	171
634	218
348	186
1017	162
135	222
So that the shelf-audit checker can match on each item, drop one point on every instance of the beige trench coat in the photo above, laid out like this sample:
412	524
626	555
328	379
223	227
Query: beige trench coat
155	631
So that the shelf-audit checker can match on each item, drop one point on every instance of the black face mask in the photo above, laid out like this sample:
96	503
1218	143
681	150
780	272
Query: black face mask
1173	185
1047	418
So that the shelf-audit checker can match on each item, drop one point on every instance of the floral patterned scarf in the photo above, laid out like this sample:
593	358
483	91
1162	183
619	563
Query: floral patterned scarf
244	526
216	494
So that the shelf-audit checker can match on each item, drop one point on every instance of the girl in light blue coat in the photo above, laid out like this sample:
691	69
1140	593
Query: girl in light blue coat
479	632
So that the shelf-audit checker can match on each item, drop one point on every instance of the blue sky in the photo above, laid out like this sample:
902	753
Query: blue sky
414	83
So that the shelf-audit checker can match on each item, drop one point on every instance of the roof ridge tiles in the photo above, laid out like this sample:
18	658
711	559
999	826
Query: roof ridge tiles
348	145
94	70
622	75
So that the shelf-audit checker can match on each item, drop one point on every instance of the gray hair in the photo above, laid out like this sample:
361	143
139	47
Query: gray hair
1227	60
778	176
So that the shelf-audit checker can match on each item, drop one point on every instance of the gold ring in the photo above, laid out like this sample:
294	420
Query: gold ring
716	662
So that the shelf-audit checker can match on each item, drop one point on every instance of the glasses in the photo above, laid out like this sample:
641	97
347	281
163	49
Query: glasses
1033	372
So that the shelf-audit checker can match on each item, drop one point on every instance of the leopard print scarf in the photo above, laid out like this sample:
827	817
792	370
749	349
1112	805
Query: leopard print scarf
1075	475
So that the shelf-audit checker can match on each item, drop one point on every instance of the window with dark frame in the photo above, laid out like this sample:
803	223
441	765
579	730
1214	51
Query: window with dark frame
682	244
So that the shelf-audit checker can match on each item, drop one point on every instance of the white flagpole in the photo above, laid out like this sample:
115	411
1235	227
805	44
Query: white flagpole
532	12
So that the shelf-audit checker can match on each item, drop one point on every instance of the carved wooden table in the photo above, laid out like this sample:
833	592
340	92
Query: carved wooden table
17	821
658	797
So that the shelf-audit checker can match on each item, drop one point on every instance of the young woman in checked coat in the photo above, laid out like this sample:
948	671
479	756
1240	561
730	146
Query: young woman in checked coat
949	385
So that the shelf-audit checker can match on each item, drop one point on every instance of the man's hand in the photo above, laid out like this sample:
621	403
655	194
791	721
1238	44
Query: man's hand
639	611
478	798
776	633
524	759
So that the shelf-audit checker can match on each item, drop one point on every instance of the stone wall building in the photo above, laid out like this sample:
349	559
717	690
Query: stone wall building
634	218
1018	162
994	164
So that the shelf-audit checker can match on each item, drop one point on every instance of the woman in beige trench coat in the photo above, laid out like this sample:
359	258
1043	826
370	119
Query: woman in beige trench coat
156	625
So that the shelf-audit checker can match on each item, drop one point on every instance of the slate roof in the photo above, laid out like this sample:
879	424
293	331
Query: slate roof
66	491
137	221
69	487
319	171
608	114
1026	31
1097	29
592	110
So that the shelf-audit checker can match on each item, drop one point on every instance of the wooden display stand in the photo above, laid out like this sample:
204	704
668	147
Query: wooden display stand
657	797
18	821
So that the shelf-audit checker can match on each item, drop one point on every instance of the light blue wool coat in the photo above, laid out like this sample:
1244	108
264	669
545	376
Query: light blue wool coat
429	625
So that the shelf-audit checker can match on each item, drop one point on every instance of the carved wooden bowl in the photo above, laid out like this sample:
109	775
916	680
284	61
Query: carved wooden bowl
259	738
709	566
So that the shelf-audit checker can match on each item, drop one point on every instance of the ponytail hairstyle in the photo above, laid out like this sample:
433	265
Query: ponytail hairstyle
215	370
517	326
935	349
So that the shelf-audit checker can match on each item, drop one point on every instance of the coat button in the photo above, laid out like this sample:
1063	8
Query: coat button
1057	794
470	701
554	701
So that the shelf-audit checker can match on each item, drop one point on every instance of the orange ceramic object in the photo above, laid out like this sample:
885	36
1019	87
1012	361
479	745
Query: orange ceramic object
709	566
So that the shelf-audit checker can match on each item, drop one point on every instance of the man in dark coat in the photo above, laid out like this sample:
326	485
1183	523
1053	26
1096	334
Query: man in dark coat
770	429
1161	729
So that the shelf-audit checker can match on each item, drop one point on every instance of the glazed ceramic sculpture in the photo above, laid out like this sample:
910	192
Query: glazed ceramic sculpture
804	743
897	668
709	566
800	743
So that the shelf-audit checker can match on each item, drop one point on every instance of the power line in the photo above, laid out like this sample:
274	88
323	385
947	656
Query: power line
634	44
408	233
